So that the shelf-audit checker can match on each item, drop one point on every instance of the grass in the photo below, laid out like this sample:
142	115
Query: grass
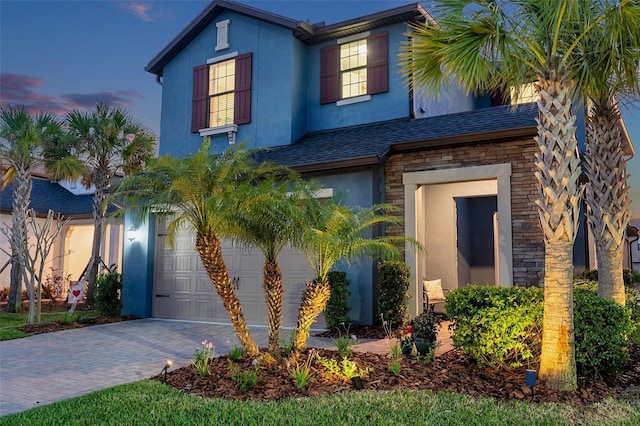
152	403
10	322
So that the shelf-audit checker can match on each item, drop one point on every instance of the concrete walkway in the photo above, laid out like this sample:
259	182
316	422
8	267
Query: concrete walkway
45	368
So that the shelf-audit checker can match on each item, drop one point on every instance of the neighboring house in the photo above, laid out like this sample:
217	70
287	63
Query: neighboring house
72	251
330	102
631	257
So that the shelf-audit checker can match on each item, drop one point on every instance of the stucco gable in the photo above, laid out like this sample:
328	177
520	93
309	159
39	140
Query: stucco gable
303	30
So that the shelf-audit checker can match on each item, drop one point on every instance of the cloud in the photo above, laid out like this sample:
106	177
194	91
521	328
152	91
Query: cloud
89	100
19	89
140	9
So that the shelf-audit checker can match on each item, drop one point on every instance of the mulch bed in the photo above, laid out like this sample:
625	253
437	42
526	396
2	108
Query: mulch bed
52	326
451	372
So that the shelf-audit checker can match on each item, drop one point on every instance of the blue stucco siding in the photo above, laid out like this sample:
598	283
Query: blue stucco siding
138	268
272	91
384	106
359	189
299	90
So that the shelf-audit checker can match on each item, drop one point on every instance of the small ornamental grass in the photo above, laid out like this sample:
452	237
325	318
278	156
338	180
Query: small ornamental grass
301	373
202	358
346	342
236	353
245	379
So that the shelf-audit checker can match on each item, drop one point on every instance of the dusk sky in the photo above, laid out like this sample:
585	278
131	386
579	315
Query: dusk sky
60	55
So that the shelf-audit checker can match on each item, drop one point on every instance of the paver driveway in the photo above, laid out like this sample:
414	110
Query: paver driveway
45	368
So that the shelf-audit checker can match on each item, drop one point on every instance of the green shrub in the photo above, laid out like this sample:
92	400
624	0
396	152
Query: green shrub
107	294
337	310
425	325
502	327
497	326
602	330
393	285
631	278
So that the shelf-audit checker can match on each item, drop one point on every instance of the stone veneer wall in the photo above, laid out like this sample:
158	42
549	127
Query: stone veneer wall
528	244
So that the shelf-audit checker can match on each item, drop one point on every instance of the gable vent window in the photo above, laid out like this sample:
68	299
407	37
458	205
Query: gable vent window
354	68
222	41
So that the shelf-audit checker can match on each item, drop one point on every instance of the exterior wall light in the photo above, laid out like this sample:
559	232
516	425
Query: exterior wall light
131	234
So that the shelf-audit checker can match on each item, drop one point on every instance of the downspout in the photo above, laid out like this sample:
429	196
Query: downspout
158	79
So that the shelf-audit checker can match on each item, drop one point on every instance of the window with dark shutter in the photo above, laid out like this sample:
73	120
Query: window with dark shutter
199	100
329	75
377	63
242	111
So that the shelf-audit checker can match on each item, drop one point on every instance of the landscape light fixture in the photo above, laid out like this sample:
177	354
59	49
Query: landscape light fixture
131	234
168	363
530	379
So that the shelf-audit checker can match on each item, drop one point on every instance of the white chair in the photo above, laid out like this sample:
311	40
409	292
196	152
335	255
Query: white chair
432	294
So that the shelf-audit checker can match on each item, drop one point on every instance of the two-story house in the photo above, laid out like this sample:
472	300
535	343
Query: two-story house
331	102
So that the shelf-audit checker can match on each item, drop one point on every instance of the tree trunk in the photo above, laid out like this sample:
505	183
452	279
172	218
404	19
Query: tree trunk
14	303
607	198
557	361
314	300
210	251
99	212
557	172
610	278
18	243
273	293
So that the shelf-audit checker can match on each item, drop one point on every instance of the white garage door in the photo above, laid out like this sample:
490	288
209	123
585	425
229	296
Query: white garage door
182	289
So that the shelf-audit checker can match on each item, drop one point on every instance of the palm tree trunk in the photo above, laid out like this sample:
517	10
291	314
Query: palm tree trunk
273	293
607	199
21	198
558	170
314	300
557	361
99	212
610	278
210	250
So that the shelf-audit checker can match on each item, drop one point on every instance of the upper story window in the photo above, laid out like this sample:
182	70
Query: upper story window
222	92
354	68
221	85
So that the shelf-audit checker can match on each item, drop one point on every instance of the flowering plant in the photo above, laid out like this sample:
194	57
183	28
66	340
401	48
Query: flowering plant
405	334
426	326
202	357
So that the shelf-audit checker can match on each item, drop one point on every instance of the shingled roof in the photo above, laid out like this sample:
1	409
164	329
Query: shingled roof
47	195
371	144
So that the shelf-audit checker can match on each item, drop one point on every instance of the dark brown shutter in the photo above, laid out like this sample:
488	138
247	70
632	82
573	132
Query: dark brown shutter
242	98
200	95
329	74
377	63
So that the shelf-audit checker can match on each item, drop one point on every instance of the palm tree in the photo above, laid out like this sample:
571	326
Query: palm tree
267	217
109	143
489	45
201	191
26	142
611	54
335	232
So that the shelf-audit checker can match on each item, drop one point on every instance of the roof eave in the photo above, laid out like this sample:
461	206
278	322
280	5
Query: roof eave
408	13
465	139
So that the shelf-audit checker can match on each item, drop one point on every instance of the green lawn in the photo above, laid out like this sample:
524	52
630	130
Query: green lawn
9	322
152	403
